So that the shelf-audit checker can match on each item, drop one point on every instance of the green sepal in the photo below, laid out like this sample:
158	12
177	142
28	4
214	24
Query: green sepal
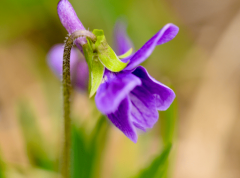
96	75
127	54
105	53
96	69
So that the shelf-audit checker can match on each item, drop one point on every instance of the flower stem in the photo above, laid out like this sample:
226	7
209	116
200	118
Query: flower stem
66	86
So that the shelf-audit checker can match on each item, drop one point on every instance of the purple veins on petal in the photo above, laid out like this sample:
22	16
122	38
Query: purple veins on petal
164	96
114	89
131	100
143	111
122	120
167	33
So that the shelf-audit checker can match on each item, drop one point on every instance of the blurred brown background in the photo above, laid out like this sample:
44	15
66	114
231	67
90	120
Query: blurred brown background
209	135
202	64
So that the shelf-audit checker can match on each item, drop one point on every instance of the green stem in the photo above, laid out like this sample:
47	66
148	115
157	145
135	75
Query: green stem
66	84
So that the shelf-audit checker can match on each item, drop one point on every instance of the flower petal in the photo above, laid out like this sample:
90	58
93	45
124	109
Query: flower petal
69	17
115	88
70	20
121	119
55	59
80	79
164	95
167	33
143	110
78	66
121	39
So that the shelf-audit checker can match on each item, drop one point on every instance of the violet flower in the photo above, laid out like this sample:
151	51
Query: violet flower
131	98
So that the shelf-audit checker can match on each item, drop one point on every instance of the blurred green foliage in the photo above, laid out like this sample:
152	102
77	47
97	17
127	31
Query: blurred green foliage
2	169
158	167
168	123
87	153
36	147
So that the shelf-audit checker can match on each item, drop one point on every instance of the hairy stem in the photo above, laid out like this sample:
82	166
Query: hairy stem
66	86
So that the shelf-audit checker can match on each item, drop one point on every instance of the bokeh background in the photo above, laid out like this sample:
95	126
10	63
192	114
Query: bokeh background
202	65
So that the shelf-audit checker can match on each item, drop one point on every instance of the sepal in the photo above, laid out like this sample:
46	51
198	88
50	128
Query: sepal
105	53
127	54
96	69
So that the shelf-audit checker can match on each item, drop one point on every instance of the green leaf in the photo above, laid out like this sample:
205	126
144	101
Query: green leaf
168	126
105	53
128	53
97	145
168	123
158	166
96	69
87	152
80	156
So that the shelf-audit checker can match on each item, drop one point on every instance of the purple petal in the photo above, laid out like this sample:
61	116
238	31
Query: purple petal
55	59
143	110
168	32
121	39
78	66
70	20
80	79
121	119
115	88
69	17
164	96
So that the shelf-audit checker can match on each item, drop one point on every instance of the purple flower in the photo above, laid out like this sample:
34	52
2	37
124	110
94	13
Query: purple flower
78	66
131	98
